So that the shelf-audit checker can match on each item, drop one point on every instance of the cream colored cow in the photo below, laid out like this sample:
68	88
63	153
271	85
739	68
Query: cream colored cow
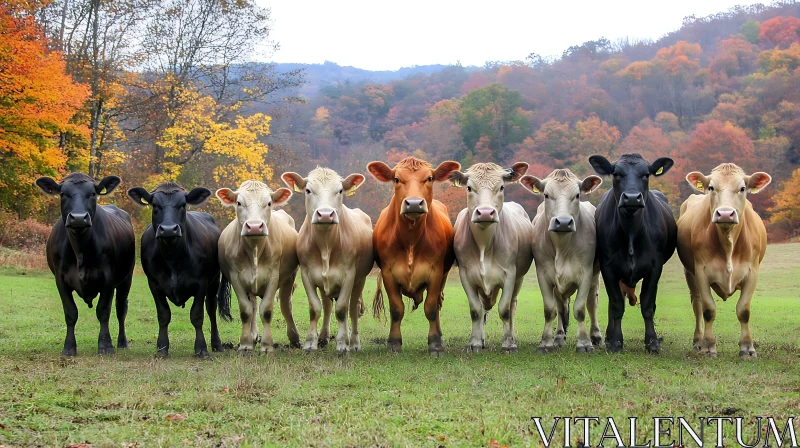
721	242
335	252
564	244
493	247
257	255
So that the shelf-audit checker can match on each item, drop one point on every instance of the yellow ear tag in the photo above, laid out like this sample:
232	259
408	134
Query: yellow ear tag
297	189
456	183
535	190
103	191
351	191
660	170
700	185
143	201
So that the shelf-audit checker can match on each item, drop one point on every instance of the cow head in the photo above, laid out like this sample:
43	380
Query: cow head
631	182
727	186
413	182
254	202
485	184
561	190
324	191
78	194
169	201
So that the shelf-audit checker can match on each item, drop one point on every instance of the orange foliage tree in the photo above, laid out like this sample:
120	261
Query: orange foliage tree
780	31
37	101
786	210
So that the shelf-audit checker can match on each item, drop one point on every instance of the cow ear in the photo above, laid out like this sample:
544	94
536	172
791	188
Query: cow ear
661	166
197	196
442	172
458	178
601	165
227	196
280	196
381	171
757	181
294	181
515	172
48	186
698	181
140	196
107	185
591	183
351	183
532	184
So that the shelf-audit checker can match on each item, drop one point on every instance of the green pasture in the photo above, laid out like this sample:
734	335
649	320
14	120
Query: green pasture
374	398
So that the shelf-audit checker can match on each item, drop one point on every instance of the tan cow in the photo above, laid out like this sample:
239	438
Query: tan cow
257	255
564	245
493	247
721	242
335	252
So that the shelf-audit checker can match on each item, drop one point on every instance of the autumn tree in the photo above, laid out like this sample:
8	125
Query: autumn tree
786	210
779	31
494	112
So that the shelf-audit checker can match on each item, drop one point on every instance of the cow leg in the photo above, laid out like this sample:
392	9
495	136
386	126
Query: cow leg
550	311
648	299
477	340
355	313
709	312
314	311
697	307
164	315
396	310
196	315
562	322
616	309
746	348
104	344
71	318
342	307
246	312
582	297
507	308
121	302
433	300
265	311
211	310
592	303
285	302
325	333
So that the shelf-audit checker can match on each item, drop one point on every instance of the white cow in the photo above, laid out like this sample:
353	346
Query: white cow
257	255
564	252
335	252
493	247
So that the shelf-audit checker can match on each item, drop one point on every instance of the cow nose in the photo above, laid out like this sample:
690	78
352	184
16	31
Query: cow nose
562	224
79	220
634	199
414	205
725	216
255	228
485	214
168	231
325	216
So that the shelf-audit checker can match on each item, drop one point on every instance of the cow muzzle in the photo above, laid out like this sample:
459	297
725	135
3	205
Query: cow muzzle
413	208
169	231
325	216
725	216
78	221
631	200
562	224
485	215
254	228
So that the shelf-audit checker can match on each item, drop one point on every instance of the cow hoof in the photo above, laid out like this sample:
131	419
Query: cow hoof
584	349
163	353
217	349
69	352
697	345
122	344
509	350
560	341
106	350
748	354
295	344
474	348
436	352
613	347
597	341
309	349
342	353
544	349
322	342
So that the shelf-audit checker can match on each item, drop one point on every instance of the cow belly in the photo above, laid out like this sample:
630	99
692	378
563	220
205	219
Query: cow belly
87	286
413	280
256	284
494	277
329	284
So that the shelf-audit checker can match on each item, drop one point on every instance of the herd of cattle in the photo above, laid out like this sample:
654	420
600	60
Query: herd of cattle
628	238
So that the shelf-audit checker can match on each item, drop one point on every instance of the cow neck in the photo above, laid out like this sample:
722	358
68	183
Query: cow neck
561	243
83	244
727	240
484	239
327	239
411	230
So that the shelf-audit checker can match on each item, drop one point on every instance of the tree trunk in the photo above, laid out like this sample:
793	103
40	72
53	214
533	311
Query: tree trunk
97	103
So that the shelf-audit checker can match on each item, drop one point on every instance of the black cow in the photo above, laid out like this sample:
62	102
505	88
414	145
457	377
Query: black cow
636	235
179	257
91	251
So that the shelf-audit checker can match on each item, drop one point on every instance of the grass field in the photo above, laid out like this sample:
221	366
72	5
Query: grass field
374	398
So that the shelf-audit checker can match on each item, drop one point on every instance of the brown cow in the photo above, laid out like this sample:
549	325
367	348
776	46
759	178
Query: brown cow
721	242
413	243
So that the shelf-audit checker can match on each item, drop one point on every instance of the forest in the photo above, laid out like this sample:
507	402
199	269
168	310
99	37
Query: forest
168	90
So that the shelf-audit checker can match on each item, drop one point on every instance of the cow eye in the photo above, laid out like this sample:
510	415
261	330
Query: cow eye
308	191
238	204
340	191
269	204
578	196
469	188
710	188
397	180
502	187
546	196
430	179
741	190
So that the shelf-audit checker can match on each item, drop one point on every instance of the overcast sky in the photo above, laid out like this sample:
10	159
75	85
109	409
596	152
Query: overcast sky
387	35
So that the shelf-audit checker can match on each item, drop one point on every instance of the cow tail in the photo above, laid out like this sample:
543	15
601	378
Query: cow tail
564	319
224	299
377	301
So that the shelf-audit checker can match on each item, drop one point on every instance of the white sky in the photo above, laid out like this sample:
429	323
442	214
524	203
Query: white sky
387	35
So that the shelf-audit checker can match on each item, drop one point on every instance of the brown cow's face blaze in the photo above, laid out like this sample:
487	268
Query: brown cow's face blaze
413	183
727	187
